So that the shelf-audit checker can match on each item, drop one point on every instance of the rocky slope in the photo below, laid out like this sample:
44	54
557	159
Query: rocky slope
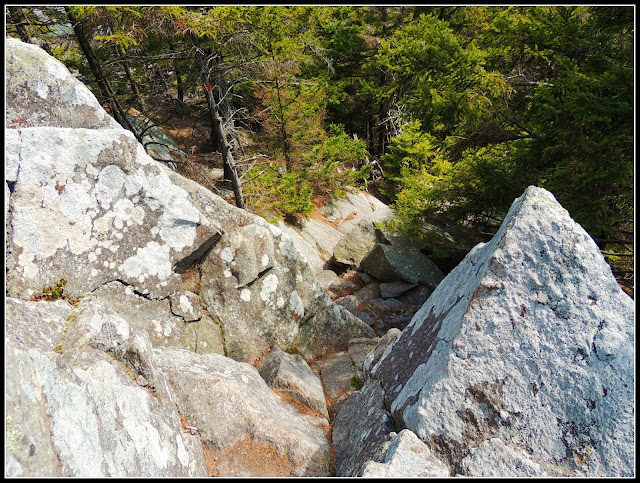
152	329
521	363
131	292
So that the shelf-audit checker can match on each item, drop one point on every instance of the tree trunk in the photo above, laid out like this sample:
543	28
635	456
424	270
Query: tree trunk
101	80
230	167
137	95
220	135
15	14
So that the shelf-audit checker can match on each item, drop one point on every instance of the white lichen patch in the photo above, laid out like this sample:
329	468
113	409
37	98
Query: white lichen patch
227	254
151	260
245	295
137	215
288	249
178	233
269	286
29	269
42	89
265	260
123	209
185	304
296	305
110	183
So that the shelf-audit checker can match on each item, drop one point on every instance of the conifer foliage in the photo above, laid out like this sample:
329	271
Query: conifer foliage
450	112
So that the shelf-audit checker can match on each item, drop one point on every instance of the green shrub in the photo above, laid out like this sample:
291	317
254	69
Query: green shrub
356	382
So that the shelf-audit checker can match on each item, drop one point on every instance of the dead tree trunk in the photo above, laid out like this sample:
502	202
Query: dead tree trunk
219	134
115	107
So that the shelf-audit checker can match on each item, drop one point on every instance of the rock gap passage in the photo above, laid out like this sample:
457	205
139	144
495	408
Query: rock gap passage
153	329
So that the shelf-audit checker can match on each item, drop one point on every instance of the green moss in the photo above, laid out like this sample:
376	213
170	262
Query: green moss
72	316
356	382
55	291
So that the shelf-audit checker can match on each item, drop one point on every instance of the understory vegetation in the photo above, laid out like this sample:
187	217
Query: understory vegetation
446	112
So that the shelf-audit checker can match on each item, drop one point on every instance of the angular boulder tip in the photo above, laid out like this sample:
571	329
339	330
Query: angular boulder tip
511	345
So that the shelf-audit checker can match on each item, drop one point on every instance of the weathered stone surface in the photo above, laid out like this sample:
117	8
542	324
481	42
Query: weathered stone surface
228	402
407	457
359	349
393	289
495	458
186	305
325	278
305	248
259	289
157	143
291	375
349	211
320	235
529	340
83	194
355	245
336	371
361	430
329	330
145	315
392	262
356	216
376	354
204	336
42	92
79	413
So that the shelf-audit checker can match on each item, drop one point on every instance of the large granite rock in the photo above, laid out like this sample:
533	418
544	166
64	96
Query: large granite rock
522	355
231	406
291	376
361	430
396	263
407	457
74	407
41	92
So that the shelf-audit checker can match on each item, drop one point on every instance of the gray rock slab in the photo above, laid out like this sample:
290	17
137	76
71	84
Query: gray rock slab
361	430
186	304
359	349
407	457
372	358
91	206
350	210
321	236
45	93
325	278
328	331
145	315
530	340
394	289
306	248
79	413
228	402
494	458
336	371
291	375
390	263
204	336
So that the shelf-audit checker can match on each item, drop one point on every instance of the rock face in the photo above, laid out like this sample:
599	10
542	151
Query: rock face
521	361
292	376
231	405
128	286
42	93
78	412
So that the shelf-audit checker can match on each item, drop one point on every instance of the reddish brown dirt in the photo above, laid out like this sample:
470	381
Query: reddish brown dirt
246	458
